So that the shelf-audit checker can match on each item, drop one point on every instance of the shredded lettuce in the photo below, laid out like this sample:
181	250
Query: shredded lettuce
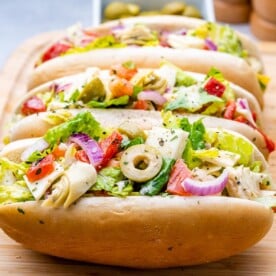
13	188
83	122
189	156
132	142
229	142
197	132
16	192
113	102
225	38
183	79
108	41
192	100
111	180
263	81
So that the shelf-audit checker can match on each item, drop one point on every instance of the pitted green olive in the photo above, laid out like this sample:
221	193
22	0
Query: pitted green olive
141	163
192	11
133	9
131	130
94	90
174	8
149	13
116	10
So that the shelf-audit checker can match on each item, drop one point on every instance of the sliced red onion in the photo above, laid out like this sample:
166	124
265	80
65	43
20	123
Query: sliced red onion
243	103
39	145
57	88
181	32
90	146
206	187
244	109
211	45
152	96
117	29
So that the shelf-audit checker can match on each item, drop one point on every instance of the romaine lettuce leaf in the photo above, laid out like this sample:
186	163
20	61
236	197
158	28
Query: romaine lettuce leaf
183	79
192	100
108	41
83	122
227	141
197	132
111	180
16	192
223	36
116	102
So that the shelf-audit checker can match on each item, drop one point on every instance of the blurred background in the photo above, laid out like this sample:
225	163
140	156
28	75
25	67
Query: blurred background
20	20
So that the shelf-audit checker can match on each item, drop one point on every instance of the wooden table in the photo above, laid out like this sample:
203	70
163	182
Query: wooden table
258	260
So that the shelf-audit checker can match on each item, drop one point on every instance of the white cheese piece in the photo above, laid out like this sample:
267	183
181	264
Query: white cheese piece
170	142
39	187
168	73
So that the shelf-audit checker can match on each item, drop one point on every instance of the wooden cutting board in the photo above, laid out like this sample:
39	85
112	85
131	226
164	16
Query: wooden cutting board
258	260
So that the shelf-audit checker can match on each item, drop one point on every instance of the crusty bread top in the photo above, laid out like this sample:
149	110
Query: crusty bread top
143	232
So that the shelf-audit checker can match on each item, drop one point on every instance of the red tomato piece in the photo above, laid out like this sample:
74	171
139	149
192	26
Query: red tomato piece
55	50
270	144
178	174
82	156
33	105
141	104
214	87
241	119
110	146
123	71
230	110
41	169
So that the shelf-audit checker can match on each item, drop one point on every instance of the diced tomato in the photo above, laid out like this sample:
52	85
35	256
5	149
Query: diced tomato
230	110
82	156
214	87
41	169
270	144
254	115
110	146
120	87
122	71
241	119
178	174
33	105
141	104
55	50
58	152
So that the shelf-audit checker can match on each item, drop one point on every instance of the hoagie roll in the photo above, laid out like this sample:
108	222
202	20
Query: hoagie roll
117	184
127	86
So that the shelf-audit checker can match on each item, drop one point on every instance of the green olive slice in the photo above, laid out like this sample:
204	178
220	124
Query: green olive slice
141	163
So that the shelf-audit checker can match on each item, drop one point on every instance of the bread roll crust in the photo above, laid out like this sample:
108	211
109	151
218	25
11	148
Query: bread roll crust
140	232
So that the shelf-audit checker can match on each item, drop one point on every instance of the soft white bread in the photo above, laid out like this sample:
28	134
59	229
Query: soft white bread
233	68
174	23
36	125
140	232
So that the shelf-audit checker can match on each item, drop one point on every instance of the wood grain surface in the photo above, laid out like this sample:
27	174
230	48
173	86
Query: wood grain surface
14	259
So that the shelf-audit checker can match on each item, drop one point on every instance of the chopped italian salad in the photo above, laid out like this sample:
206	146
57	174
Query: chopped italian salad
166	88
208	36
81	158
